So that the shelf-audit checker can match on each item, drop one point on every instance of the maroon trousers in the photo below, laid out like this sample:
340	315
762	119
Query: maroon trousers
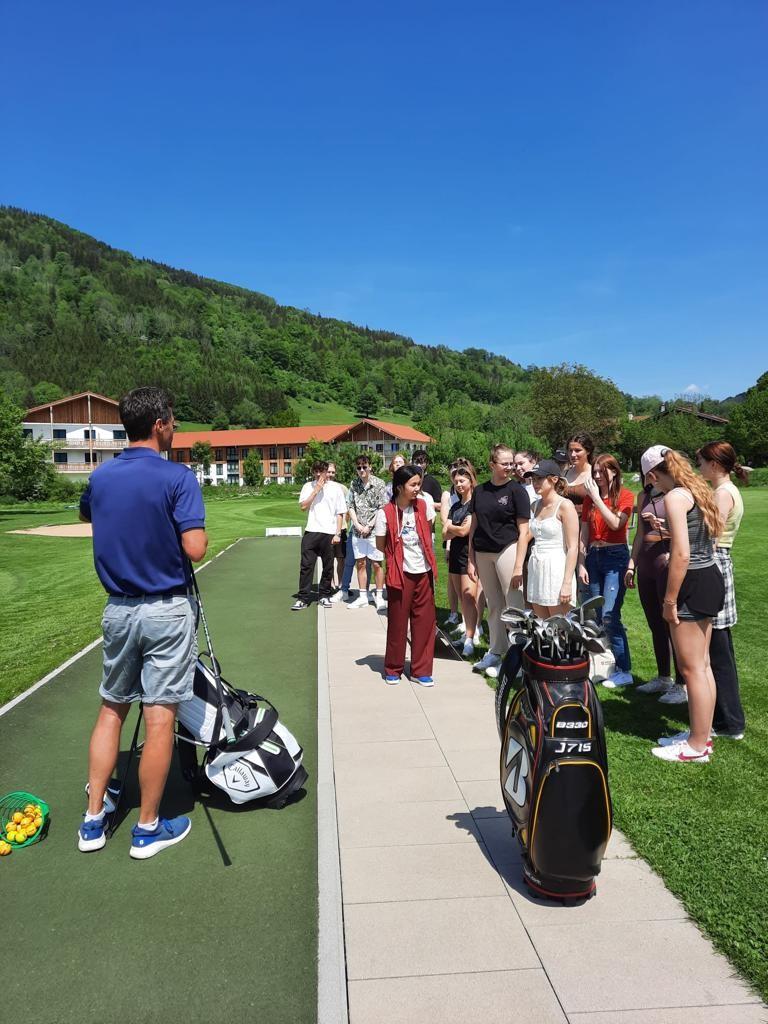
415	603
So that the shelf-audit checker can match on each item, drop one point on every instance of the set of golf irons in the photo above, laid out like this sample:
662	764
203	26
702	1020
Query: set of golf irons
560	637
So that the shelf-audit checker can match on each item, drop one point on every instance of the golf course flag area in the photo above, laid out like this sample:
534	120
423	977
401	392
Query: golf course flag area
225	925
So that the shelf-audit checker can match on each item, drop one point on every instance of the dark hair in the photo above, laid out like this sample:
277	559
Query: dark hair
531	456
320	466
141	408
585	441
401	477
362	459
724	455
609	462
420	454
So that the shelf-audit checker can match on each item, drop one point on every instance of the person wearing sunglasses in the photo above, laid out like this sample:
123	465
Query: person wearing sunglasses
498	540
367	494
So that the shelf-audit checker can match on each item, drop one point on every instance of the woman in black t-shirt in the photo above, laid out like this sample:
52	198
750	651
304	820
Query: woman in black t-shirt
456	526
498	539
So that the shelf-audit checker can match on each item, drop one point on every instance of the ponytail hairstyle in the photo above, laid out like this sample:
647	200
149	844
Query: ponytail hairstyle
561	485
609	462
679	468
586	442
724	455
498	448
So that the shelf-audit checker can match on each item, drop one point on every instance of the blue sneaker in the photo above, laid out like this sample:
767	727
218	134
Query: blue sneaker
146	844
423	680
91	836
391	680
110	796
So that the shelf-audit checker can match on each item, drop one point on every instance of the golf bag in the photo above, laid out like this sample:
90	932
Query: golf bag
249	753
554	771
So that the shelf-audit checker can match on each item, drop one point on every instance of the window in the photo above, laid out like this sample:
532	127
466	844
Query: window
243	453
59	434
379	447
119	435
273	468
233	478
233	466
231	453
273	454
289	479
260	452
219	454
395	446
300	451
287	453
180	455
89	435
27	431
88	457
60	457
287	467
219	470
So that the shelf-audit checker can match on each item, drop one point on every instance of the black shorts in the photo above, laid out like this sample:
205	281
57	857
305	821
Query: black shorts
458	556
702	594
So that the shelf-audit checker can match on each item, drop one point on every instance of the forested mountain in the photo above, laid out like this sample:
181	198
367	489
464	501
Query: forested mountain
79	314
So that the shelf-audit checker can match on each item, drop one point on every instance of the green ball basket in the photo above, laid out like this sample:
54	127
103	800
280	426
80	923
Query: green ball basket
13	802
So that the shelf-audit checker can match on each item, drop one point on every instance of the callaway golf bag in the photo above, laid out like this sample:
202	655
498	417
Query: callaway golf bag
553	765
249	753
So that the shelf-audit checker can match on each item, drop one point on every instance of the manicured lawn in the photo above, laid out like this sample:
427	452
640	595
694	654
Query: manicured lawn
314	414
49	592
703	828
223	926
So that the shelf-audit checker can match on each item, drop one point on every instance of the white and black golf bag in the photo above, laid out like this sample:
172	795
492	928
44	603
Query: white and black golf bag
261	762
554	771
249	754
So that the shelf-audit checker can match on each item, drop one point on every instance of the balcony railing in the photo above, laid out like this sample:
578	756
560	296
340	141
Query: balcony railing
74	467
96	443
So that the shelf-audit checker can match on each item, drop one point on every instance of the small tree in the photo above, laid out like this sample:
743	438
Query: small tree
566	399
220	421
25	471
367	402
202	456
748	427
248	414
253	471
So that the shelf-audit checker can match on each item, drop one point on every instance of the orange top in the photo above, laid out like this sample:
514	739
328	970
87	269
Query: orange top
598	528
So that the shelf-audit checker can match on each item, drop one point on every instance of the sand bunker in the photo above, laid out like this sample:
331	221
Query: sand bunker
70	530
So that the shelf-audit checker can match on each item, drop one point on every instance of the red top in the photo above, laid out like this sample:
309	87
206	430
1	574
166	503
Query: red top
393	544
598	528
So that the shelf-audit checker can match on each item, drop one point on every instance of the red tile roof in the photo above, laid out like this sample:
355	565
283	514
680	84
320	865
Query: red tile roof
290	435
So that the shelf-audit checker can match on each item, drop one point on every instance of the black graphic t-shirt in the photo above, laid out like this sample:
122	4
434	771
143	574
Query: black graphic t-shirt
496	509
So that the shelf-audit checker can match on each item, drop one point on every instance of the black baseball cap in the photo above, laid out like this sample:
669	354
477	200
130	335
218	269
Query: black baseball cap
547	467
561	455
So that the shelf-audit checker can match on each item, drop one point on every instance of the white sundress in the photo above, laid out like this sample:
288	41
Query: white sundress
546	566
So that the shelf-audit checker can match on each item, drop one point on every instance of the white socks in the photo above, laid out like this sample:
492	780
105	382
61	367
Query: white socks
151	826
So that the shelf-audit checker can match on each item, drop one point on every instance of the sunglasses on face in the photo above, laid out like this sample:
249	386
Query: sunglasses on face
361	469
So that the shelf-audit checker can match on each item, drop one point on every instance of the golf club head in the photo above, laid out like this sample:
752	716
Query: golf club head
588	610
512	616
595	646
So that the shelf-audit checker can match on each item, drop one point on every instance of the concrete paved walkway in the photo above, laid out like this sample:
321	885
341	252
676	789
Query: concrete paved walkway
438	926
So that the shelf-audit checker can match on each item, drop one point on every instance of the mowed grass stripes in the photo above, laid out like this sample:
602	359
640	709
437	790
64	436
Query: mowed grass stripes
224	926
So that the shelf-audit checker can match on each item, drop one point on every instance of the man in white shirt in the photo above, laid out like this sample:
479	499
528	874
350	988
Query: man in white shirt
326	506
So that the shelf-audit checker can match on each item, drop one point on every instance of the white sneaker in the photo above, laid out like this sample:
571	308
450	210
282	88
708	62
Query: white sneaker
617	680
676	694
468	649
492	672
460	628
722	735
488	661
325	602
659	684
381	604
479	634
452	619
681	737
361	601
683	753
339	596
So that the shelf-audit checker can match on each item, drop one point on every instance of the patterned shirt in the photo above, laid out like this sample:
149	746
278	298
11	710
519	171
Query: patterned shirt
366	499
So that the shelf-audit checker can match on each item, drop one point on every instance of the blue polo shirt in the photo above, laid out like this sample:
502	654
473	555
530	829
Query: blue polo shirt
139	505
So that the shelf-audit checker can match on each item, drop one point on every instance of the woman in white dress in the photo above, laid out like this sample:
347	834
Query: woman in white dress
551	588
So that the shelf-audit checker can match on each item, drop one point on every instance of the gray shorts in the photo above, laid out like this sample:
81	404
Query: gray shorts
150	649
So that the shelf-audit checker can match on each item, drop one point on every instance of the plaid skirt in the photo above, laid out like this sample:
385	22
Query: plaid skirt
727	617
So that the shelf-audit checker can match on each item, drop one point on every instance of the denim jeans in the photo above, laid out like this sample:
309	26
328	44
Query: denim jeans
606	567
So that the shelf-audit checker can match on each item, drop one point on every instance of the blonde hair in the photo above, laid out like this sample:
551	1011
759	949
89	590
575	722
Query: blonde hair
677	466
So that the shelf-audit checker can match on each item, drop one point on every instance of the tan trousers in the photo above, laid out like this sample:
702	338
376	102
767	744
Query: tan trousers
495	572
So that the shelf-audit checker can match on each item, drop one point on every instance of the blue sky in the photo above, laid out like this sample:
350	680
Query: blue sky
553	181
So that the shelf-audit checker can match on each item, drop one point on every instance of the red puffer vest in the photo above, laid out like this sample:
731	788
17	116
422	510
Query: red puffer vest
393	542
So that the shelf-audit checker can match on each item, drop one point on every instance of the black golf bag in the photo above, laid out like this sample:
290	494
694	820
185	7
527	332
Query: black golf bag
554	771
262	760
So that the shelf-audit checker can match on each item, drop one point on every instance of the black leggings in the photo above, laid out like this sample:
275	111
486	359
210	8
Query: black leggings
651	587
729	714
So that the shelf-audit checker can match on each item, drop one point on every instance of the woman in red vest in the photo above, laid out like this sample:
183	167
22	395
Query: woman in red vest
403	532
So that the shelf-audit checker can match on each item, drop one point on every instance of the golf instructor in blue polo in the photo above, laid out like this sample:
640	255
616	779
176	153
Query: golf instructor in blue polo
148	519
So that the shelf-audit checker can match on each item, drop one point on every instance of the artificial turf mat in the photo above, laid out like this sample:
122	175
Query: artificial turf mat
223	926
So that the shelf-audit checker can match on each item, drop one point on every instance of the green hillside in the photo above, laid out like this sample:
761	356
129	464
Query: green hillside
76	313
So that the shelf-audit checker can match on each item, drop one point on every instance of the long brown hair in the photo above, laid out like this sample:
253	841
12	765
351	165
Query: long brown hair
604	462
724	455
679	468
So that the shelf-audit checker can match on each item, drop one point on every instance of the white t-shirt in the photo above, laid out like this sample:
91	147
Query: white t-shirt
330	502
413	553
